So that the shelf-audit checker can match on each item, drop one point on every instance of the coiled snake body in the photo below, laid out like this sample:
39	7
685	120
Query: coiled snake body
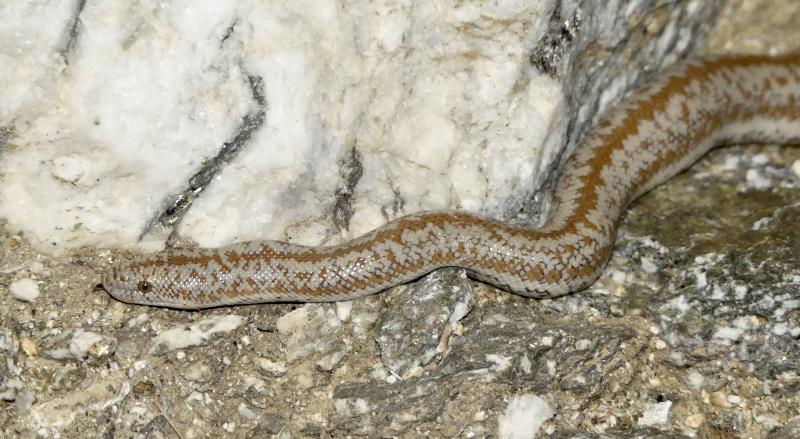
657	133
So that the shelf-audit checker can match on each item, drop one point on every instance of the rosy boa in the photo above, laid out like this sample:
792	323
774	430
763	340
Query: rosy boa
660	131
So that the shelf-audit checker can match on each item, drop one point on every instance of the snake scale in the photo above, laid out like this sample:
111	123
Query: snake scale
661	130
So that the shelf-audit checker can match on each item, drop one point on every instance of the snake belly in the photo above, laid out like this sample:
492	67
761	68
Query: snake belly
658	132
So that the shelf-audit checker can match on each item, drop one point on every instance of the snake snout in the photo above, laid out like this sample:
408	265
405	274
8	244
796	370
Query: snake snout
108	282
117	284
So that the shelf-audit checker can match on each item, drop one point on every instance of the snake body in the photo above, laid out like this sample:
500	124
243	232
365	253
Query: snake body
660	131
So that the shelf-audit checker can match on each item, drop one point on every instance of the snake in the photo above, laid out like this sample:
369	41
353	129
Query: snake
664	127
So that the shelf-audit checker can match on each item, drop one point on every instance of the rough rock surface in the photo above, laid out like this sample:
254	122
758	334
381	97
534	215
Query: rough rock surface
691	332
310	121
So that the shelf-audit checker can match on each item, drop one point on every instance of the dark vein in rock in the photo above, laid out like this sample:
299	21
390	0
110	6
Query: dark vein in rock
176	205
351	171
73	29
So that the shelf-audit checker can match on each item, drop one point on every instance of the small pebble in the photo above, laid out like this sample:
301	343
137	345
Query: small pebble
246	412
29	346
655	414
25	290
796	168
695	379
760	159
330	361
272	369
695	421
720	400
36	267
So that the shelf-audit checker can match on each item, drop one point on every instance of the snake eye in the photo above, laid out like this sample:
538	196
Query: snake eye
144	286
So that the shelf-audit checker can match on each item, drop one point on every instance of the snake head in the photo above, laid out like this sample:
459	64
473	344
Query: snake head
168	279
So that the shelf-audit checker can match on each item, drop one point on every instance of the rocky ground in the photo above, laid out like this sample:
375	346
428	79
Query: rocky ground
692	331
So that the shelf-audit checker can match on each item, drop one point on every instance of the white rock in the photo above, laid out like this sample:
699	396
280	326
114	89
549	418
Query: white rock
271	368
25	290
523	417
55	415
756	179
104	146
246	413
197	333
310	329
36	267
727	335
656	413
344	309
695	379
80	344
